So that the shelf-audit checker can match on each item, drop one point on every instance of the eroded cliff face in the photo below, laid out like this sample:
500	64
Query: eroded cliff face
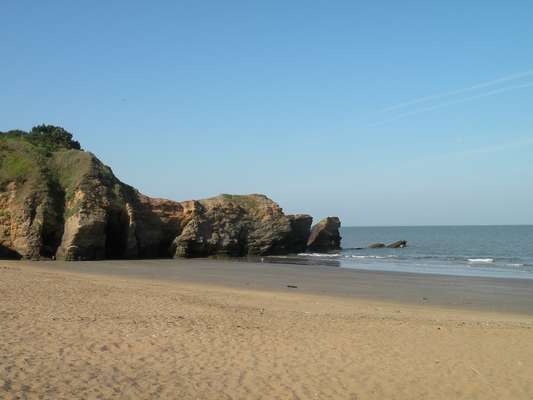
29	218
232	225
325	235
66	204
19	225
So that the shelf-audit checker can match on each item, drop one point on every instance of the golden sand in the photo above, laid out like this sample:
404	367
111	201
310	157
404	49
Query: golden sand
73	336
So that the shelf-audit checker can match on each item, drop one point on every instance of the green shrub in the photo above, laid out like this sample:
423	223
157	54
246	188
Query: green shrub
47	138
52	138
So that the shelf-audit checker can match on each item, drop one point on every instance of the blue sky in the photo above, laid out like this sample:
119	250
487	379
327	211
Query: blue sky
384	113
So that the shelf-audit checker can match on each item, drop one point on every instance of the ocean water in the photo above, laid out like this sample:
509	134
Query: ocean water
497	251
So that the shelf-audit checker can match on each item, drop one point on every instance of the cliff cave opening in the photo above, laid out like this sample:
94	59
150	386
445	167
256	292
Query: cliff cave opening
165	244
116	233
53	221
8	253
242	243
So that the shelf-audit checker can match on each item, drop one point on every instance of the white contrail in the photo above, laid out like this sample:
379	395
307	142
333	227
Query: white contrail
450	103
491	148
459	91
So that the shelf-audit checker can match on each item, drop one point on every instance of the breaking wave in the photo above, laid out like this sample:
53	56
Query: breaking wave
352	256
375	257
319	254
481	260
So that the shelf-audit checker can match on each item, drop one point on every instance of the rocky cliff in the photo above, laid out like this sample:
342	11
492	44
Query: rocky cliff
57	201
325	235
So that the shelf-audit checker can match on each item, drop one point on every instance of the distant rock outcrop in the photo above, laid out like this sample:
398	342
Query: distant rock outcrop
325	235
397	245
57	201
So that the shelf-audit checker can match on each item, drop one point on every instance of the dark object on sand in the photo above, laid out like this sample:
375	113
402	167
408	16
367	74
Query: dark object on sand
325	235
376	246
292	286
400	244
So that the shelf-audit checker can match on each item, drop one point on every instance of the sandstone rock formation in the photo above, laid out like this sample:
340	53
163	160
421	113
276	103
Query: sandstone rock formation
231	225
325	235
301	229
57	201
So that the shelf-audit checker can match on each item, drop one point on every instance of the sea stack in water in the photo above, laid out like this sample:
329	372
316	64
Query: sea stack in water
325	235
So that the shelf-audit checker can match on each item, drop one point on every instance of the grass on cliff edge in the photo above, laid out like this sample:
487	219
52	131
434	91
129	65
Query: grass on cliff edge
70	166
36	160
20	161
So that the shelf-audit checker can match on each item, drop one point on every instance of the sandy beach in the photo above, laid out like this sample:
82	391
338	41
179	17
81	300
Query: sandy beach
234	330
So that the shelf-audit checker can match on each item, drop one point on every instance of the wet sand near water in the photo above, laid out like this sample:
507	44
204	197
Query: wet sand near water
471	293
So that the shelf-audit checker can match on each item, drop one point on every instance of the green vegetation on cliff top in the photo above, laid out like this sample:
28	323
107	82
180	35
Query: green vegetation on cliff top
46	138
48	157
44	155
24	155
20	160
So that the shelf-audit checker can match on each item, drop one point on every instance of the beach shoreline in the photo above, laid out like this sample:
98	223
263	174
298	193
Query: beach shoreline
488	294
178	329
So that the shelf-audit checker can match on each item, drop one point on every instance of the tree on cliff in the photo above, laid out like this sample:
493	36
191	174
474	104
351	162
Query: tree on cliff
52	137
47	137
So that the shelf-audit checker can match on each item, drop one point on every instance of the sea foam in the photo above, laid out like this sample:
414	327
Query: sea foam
481	260
375	257
319	254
